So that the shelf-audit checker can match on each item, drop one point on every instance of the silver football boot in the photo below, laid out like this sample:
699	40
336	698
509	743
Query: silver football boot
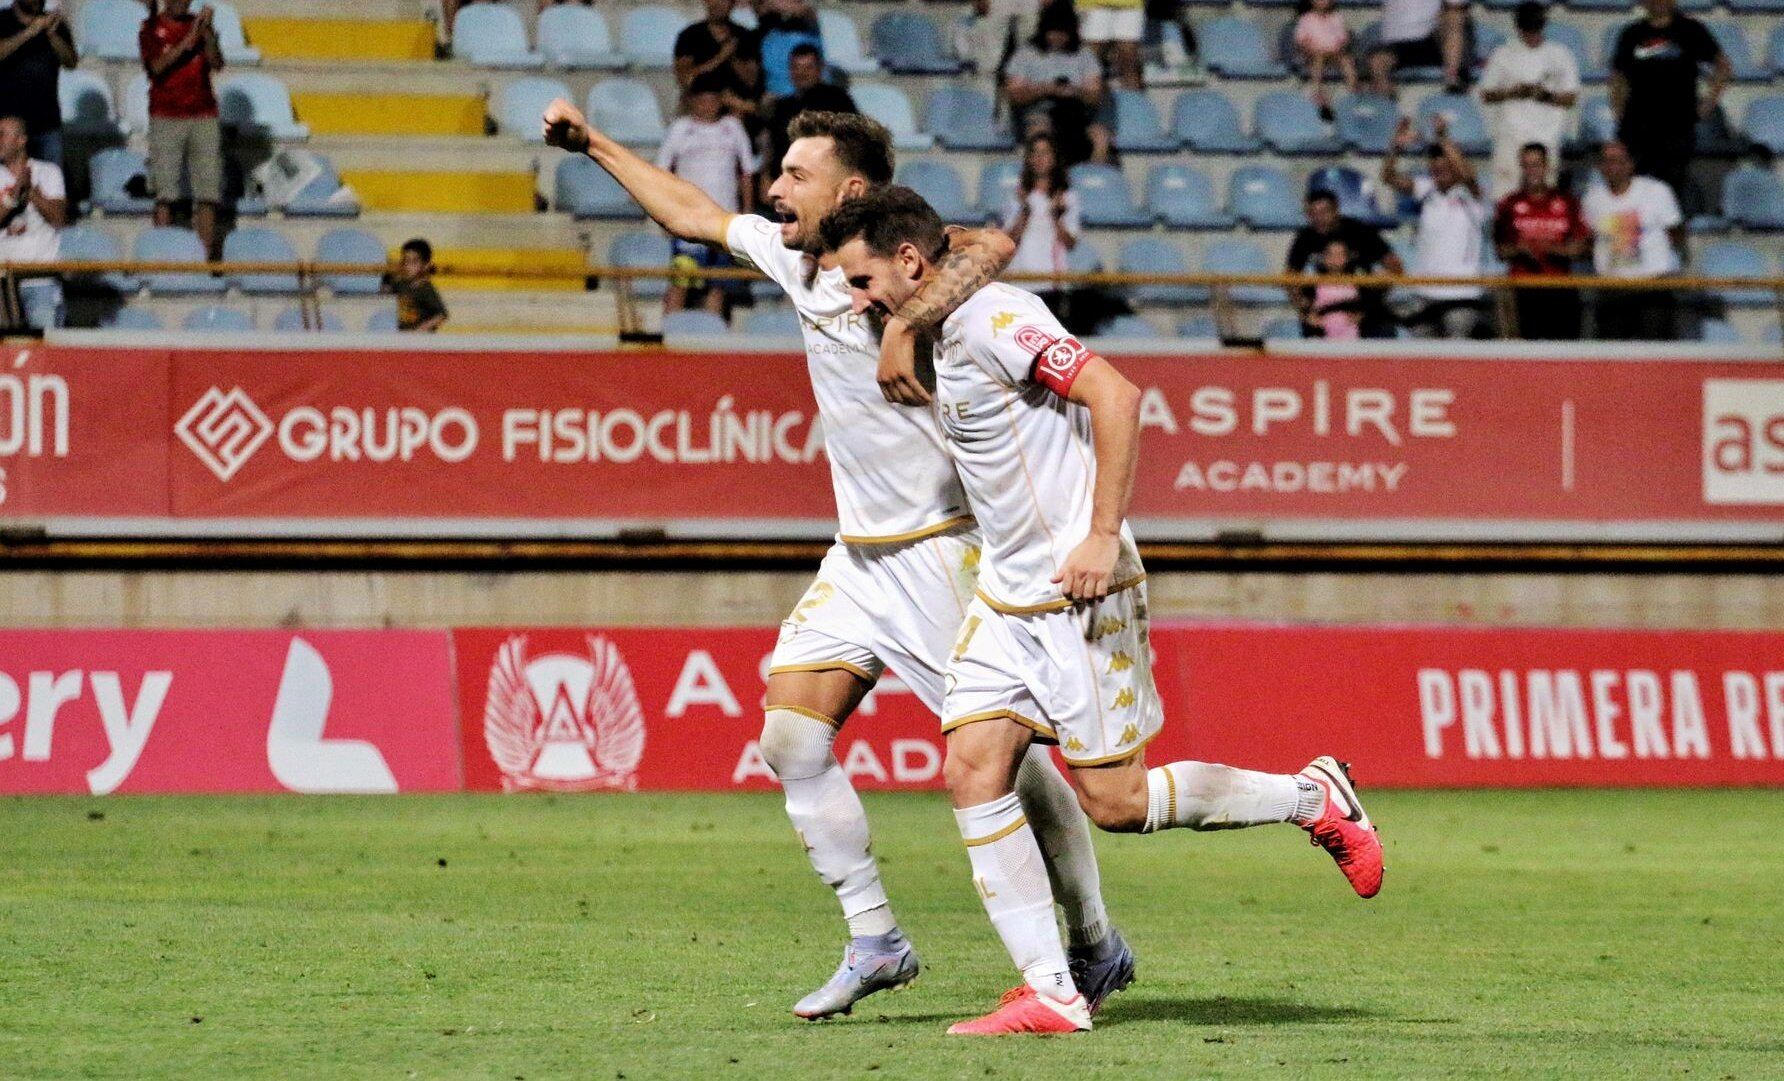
869	964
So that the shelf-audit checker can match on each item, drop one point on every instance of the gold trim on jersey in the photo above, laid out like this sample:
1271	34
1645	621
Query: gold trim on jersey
824	666
1107	759
974	842
915	534
1034	726
1060	605
804	712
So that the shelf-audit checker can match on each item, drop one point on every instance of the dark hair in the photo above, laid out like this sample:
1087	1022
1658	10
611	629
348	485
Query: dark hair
710	82
1530	15
14	116
863	145
1057	15
1323	195
420	247
885	218
1059	180
1538	147
804	48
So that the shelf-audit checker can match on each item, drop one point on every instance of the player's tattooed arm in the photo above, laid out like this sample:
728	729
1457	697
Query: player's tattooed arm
973	259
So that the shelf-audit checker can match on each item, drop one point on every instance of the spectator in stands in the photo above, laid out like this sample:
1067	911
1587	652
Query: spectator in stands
993	30
33	209
1055	87
1042	218
1324	41
1538	229
1365	253
35	46
1113	30
1421	34
1638	232
1534	83
712	152
810	94
717	45
1653	89
180	54
418	304
782	26
1448	241
1338	307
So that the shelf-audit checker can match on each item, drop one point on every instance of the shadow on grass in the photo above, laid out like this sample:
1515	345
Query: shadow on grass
1227	1011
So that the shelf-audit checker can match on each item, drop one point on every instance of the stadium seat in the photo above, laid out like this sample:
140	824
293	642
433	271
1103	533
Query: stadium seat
133	107
291	320
1467	127
1718	332
323	197
1753	197
260	104
1365	122
1208	121
230	36
1288	123
1282	328
1239	256
1765	122
574	38
909	43
627	110
695	323
940	184
106	29
1573	39
585	190
962	118
647	35
493	36
776	322
1734	44
997	186
91	243
1754	7
86	102
1104	199
382	321
259	244
1236	48
891	107
842	44
215	319
346	247
1085	258
110	172
641	250
1138	129
520	104
1182	197
1151	255
1200	328
1734	259
1777	47
1263	197
129	318
1131	327
171	244
1597	124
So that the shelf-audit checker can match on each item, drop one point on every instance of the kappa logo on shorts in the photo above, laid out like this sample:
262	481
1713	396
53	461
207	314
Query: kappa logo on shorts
224	430
1129	734
1125	698
561	722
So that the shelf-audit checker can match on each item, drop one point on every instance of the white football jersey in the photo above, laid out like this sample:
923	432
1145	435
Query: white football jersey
889	463
1024	451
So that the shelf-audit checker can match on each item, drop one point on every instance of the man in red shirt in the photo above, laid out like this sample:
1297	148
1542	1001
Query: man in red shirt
1538	229
180	53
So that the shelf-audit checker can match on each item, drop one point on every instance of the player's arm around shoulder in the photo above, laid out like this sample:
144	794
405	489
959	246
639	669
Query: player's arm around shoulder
675	204
974	258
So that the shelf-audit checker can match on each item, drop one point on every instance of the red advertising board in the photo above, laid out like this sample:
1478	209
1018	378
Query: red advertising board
84	432
227	711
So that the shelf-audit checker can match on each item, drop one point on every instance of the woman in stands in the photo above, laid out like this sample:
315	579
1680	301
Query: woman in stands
1042	217
1055	87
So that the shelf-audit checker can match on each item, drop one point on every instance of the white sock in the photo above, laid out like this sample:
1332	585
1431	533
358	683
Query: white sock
1012	881
1205	796
828	816
1063	833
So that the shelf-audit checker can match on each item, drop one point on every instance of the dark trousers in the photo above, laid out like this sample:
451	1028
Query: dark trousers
1636	315
1549	315
1664	155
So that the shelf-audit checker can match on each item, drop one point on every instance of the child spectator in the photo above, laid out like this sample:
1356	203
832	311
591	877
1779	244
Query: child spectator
1338	306
1324	40
713	153
418	303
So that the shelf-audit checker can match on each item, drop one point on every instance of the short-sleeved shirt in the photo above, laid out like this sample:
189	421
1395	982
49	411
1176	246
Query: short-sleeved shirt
1035	66
1551	66
698	43
1549	219
1039	250
1631	229
1448	243
1409	20
184	91
28	77
1661	65
1002	374
28	237
417	301
1321	34
709	155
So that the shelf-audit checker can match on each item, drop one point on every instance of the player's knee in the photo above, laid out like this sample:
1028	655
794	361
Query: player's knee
973	778
1117	811
794	745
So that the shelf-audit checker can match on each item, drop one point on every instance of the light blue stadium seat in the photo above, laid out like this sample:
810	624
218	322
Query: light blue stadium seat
520	104
574	37
1752	7
291	320
1597	124
1773	334
647	35
218	319
171	244
1085	258
1466	124
1200	328
1104	199
842	44
493	36
1765	122
316	199
891	107
258	103
997	186
1151	255
1288	123
1263	197
586	190
1355	192
88	242
1365	122
1735	259
1208	121
106	29
1733	40
1573	39
1485	39
86	103
1236	48
1718	332
962	118
938	182
382	321
259	244
131	319
694	323
1240	256
1282	328
779	321
910	43
1182	197
1753	197
641	250
626	109
110	171
230	37
1130	327
351	246
1138	129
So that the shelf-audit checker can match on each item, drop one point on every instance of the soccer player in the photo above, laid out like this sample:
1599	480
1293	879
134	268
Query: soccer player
894	587
1054	647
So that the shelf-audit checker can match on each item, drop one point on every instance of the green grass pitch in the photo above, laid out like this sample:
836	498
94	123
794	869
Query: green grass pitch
1542	934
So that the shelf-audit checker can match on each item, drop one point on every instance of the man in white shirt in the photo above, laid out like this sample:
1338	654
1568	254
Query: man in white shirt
1450	240
33	209
1638	233
1421	34
1534	83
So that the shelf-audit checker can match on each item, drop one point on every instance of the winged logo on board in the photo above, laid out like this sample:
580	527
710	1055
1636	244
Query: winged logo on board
562	722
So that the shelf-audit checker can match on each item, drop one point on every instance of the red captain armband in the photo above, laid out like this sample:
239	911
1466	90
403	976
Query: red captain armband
1057	361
